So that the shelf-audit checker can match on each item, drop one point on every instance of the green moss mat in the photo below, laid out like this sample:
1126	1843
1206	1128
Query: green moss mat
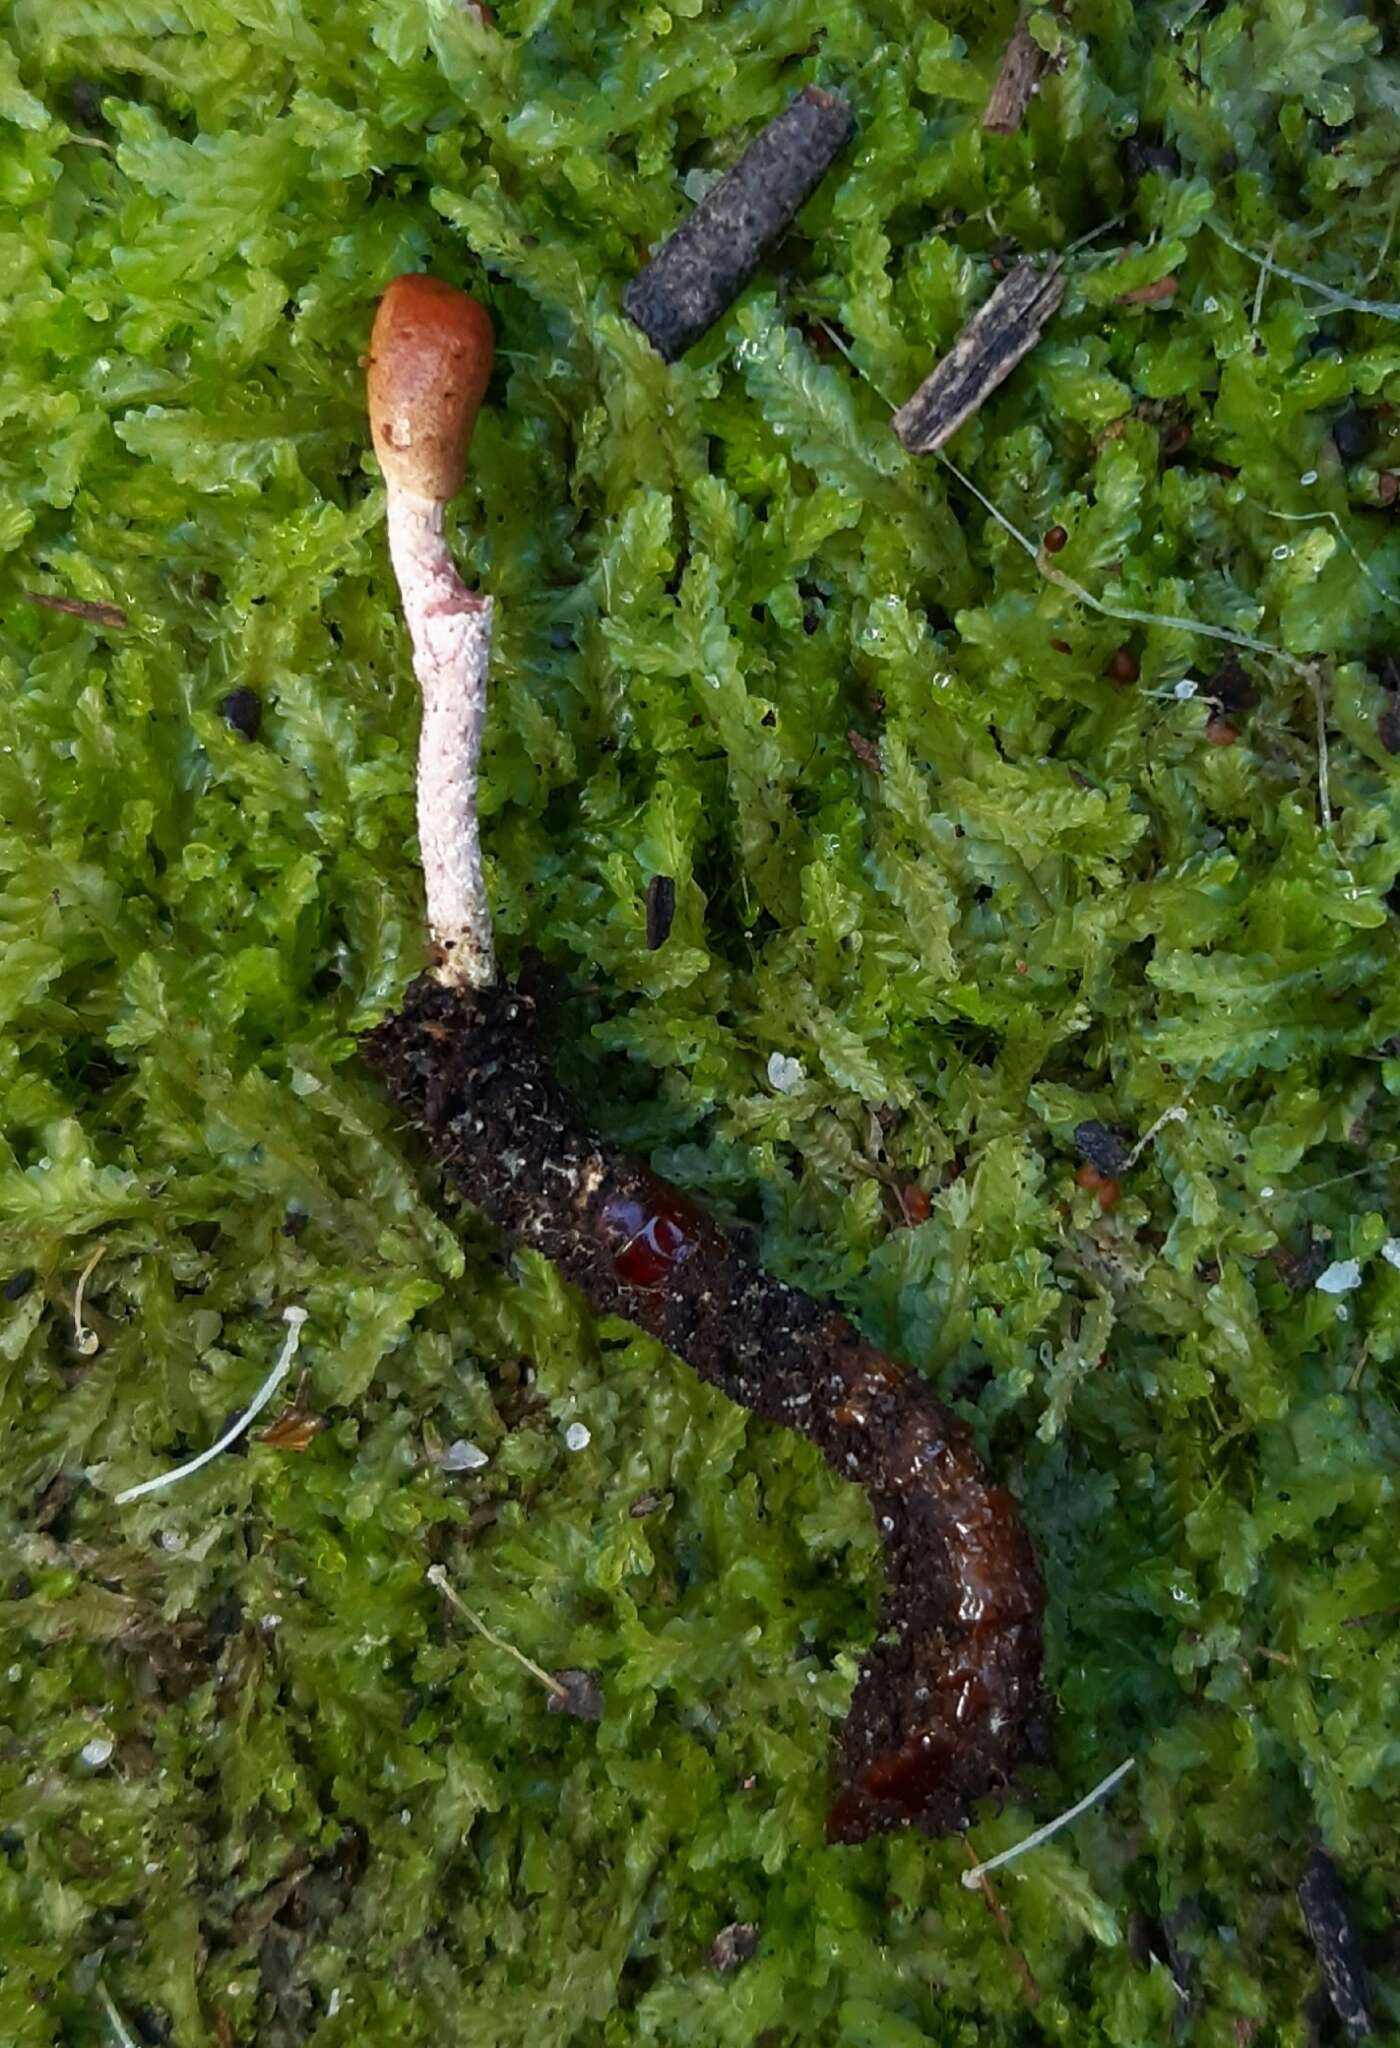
257	1783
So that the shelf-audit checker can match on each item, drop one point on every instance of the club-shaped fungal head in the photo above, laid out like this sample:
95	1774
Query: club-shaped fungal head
429	360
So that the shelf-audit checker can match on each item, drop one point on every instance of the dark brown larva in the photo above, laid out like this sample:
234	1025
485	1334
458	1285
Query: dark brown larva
949	1701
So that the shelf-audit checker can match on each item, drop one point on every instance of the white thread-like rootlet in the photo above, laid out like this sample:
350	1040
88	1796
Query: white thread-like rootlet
450	627
294	1318
972	1878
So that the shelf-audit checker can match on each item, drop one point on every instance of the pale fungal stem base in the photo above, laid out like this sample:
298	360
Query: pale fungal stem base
973	1878
450	627
294	1318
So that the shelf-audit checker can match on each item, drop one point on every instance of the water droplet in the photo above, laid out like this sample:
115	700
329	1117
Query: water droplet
1308	477
1210	305
577	1437
462	1457
1282	552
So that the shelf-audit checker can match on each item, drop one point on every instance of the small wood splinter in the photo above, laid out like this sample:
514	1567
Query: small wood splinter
430	359
999	334
1020	74
697	273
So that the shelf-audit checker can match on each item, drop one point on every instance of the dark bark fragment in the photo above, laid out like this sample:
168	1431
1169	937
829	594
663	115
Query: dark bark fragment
949	1701
661	910
1002	330
1333	1934
582	1697
242	710
1020	73
696	275
1105	1146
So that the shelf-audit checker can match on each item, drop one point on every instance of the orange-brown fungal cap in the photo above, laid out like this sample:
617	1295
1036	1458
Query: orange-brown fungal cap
429	360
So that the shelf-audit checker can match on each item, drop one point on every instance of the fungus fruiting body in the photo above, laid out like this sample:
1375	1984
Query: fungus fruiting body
949	1700
430	359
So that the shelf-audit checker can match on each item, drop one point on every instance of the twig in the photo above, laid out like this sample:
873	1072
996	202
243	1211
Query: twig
1003	330
77	607
438	1577
1324	783
117	2023
1332	519
294	1318
1016	81
1003	1920
1369	1620
85	1341
972	1878
1378	266
1175	1115
1335	1180
1128	614
1346	302
1265	269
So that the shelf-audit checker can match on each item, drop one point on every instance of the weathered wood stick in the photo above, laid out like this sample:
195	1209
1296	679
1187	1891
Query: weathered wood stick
1020	74
1002	331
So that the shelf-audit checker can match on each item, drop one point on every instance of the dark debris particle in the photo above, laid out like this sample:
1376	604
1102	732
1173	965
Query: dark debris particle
583	1695
1388	728
732	1946
1333	1934
1105	1146
242	710
1355	435
1230	686
1299	1270
18	1284
866	751
697	274
225	1619
661	910
1139	157
53	1504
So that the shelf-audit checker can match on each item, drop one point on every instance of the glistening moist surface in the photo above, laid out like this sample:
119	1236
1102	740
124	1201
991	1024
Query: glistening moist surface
258	1780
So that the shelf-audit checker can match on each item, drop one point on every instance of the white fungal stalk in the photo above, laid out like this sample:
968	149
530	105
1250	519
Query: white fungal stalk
450	627
429	363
